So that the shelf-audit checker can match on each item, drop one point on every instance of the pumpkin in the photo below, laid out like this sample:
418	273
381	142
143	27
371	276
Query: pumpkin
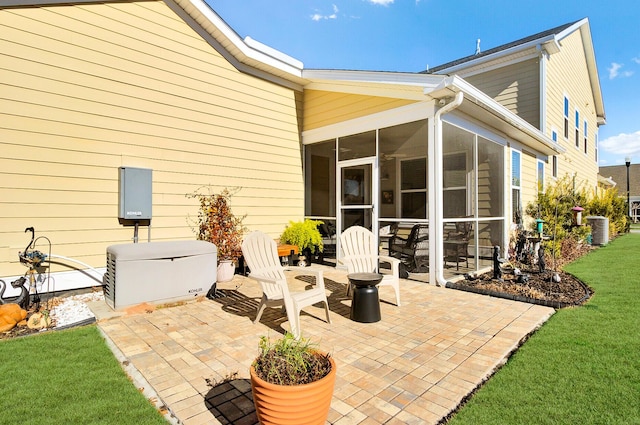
10	316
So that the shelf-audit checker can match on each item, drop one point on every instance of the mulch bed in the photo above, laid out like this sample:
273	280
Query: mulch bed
538	289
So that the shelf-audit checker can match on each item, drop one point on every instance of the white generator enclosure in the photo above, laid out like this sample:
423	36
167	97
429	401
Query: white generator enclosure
158	272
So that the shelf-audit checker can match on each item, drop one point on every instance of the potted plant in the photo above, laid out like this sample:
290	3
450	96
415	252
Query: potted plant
292	382
218	225
305	235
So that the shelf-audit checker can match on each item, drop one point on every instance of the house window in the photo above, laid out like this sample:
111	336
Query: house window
413	188
455	184
540	176
577	129
585	133
516	199
566	117
554	166
595	146
554	136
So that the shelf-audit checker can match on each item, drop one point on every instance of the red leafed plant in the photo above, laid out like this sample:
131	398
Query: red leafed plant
218	225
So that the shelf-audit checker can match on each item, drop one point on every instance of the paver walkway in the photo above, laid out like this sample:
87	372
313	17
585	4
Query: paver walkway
413	367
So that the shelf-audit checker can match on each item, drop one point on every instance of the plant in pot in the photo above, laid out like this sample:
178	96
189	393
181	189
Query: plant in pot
217	224
305	235
292	382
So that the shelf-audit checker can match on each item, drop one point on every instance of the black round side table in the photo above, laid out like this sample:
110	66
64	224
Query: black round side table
365	304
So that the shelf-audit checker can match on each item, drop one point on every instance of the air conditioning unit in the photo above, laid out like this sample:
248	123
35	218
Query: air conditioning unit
158	272
599	230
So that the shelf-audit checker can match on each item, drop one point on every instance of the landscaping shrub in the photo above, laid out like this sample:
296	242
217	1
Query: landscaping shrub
554	206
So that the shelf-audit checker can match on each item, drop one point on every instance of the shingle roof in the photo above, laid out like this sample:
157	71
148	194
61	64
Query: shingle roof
510	45
618	174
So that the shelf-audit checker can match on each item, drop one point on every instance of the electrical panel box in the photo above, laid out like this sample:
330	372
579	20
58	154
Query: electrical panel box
134	201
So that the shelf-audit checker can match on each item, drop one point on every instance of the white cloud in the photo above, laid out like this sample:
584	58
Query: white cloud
382	2
623	144
319	17
636	60
614	71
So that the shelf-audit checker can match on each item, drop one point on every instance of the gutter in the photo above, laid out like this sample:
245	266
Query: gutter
435	187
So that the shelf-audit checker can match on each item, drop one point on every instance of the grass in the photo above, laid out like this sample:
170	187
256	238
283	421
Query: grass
583	365
68	377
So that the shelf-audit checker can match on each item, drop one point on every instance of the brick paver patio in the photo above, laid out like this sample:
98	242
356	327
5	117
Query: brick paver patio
413	367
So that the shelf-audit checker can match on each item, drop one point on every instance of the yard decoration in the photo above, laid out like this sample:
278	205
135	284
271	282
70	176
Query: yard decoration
10	316
217	224
292	382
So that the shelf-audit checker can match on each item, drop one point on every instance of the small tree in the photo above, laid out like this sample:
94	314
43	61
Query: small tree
218	225
609	203
554	206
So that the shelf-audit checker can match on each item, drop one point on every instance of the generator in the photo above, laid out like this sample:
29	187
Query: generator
158	272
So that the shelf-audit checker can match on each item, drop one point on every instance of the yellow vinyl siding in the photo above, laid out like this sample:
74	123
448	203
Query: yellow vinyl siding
87	89
323	108
529	183
567	75
516	87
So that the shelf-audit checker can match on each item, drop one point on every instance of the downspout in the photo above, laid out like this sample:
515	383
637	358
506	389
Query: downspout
435	211
544	57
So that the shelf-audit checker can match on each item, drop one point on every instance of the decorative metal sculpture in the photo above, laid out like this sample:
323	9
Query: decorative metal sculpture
497	261
541	264
23	298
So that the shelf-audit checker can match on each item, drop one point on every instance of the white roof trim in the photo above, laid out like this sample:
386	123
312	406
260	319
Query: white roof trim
548	40
249	48
371	83
534	137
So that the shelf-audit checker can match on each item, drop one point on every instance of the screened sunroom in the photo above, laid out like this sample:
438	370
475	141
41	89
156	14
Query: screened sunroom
427	179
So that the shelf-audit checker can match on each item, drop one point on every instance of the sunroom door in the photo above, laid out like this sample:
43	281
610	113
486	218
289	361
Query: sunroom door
356	198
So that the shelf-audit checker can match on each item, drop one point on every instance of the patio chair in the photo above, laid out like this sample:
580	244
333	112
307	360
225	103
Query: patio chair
456	244
361	255
261	255
413	250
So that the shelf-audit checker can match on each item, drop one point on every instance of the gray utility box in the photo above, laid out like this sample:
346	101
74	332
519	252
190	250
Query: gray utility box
134	200
158	272
599	229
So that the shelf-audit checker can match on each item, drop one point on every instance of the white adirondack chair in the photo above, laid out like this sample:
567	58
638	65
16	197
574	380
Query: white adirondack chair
361	255
261	255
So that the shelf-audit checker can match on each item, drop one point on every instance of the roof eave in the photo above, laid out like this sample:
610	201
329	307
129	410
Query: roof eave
251	54
397	85
522	131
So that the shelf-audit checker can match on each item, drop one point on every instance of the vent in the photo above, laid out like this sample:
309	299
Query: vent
109	281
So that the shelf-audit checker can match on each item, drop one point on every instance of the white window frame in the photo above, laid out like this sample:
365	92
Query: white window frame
577	130
566	109
516	187
401	191
540	175
585	136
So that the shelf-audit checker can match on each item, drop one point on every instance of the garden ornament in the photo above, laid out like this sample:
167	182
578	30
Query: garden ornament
497	261
541	264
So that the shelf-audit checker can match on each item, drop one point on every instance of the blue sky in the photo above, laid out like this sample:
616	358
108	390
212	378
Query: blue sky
409	35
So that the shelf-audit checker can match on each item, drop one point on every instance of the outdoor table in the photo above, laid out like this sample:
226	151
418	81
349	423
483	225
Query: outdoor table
365	304
286	253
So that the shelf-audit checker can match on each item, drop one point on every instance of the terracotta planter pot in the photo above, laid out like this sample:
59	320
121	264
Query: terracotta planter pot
306	404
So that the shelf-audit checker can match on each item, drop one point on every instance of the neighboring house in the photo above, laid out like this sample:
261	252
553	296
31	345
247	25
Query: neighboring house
618	174
551	80
86	88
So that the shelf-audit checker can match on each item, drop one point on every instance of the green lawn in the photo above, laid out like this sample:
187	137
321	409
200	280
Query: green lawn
583	365
68	377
